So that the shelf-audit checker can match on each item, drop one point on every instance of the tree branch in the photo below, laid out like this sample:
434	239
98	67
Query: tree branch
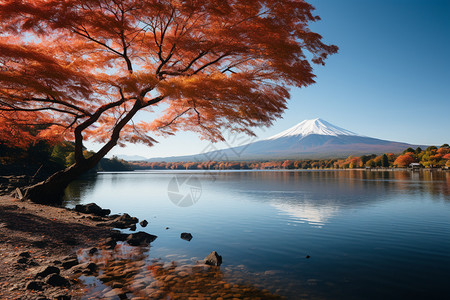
115	135
15	108
79	129
173	120
211	63
88	36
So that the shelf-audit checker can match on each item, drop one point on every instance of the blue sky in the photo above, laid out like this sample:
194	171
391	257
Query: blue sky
390	79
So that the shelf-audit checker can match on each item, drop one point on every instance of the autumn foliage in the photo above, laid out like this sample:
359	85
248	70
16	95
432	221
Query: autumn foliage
405	160
432	157
80	70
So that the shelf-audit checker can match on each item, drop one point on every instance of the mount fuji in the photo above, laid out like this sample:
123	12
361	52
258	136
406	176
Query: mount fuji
308	139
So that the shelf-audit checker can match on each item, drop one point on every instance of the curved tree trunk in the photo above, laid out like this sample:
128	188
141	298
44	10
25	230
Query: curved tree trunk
52	189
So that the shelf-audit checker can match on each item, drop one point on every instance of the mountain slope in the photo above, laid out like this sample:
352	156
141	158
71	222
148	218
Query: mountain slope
315	126
309	139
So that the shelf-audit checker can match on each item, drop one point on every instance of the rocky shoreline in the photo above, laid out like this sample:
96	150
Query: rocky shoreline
58	253
40	246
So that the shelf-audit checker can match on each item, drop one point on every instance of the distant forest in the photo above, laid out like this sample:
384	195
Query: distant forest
46	159
431	157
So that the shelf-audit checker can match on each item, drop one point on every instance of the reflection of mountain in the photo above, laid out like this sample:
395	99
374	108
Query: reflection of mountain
308	212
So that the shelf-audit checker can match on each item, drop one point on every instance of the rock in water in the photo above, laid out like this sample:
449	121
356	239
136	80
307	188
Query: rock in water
92	208
85	268
144	223
140	238
213	259
124	221
186	236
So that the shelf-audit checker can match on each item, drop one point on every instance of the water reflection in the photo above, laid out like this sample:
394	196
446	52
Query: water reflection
127	272
307	212
370	234
79	190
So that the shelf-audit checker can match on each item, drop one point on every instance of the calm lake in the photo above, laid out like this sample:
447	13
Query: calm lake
368	234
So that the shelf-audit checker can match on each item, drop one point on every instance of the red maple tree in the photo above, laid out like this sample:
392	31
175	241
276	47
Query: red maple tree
82	69
405	160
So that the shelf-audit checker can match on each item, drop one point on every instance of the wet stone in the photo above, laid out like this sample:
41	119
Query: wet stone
213	259
140	238
186	236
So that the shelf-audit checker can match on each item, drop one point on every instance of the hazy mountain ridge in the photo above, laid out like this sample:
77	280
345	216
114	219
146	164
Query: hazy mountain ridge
131	157
310	139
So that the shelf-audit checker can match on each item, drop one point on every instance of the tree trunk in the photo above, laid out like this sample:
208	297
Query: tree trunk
51	191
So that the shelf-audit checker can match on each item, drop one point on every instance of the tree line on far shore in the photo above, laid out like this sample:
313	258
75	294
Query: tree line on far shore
49	158
431	157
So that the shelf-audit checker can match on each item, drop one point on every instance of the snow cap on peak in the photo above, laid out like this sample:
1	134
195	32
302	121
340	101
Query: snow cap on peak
314	126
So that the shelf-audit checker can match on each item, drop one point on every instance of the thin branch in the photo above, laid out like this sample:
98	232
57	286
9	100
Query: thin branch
201	54
173	120
211	62
88	36
15	108
153	101
54	100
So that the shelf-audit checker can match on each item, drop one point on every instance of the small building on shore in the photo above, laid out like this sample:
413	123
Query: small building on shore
415	166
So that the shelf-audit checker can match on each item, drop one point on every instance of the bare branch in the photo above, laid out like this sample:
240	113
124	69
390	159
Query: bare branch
173	120
211	62
89	37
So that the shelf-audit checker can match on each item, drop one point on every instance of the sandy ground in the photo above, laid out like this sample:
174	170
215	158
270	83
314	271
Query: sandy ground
48	234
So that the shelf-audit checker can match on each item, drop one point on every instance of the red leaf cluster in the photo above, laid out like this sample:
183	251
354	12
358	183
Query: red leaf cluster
83	69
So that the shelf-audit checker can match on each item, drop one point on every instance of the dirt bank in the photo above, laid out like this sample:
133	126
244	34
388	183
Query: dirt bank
33	237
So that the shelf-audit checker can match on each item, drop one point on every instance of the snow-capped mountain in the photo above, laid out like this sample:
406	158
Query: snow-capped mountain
315	138
315	126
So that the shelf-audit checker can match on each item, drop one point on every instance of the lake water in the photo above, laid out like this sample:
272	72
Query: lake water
368	234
